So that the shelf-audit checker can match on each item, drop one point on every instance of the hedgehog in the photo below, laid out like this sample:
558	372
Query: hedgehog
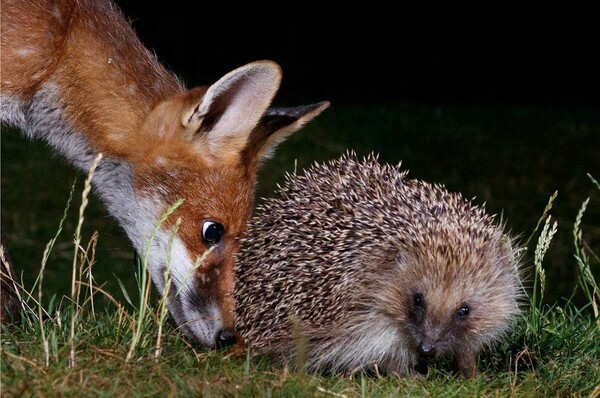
356	267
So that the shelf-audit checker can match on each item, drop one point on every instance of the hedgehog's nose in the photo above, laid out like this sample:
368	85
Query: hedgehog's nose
225	338
426	350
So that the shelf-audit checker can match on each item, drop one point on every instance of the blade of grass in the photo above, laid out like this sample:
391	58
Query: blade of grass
162	308
77	240
543	217
586	278
40	311
144	285
543	244
124	291
90	260
594	181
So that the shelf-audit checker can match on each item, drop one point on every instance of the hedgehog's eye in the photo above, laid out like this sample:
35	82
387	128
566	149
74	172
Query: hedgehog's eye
418	300
212	232
463	311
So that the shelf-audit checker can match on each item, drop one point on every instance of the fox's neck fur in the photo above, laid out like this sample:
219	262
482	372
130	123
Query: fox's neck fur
89	98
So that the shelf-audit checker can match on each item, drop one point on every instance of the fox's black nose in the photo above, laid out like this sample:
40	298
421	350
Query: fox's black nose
426	350
225	338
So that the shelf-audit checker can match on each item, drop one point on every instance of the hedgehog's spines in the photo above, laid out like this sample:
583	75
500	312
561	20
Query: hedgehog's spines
326	251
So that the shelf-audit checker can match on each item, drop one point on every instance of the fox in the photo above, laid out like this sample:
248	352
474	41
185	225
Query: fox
75	74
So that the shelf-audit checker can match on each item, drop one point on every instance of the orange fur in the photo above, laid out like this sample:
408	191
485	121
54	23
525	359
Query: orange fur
75	74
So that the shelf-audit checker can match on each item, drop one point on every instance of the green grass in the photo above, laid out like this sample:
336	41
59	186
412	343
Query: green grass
513	159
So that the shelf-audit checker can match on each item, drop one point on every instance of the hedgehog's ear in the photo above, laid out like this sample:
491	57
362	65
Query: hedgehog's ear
276	125
400	259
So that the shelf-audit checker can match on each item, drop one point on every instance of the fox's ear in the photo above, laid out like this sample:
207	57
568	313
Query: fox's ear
276	125
232	107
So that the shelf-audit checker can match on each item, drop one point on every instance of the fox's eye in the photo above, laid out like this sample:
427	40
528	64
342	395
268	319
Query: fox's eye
463	311
212	232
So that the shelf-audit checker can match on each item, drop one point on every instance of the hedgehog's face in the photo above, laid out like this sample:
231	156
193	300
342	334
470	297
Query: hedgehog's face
450	304
439	324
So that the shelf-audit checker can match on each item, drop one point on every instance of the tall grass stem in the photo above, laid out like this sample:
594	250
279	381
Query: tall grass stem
87	186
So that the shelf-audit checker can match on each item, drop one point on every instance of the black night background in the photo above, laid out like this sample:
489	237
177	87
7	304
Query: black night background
521	52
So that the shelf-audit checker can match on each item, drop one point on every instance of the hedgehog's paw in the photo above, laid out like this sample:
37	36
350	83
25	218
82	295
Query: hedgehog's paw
419	369
465	364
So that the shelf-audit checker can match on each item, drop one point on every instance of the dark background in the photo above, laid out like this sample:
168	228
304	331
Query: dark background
527	53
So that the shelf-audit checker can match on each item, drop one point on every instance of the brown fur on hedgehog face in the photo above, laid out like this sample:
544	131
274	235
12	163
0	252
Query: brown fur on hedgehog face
449	301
